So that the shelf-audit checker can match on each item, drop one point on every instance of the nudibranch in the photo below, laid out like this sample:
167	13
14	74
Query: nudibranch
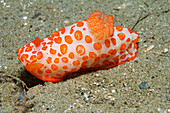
91	44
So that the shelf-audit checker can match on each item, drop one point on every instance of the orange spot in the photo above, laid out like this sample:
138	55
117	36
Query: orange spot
123	56
121	52
24	57
92	55
106	62
123	46
130	31
50	43
33	66
58	75
119	28
28	49
37	42
63	48
78	35
66	72
39	55
107	43
84	63
49	60
130	46
59	54
128	40
97	59
72	30
43	43
130	53
97	46
56	33
80	49
71	55
100	28
63	30
58	40
52	51
54	67
74	70
33	52
20	50
76	63
85	57
39	71
84	29
104	55
68	39
121	36
46	76
88	39
44	48
80	24
136	33
115	58
112	52
97	65
64	59
56	60
65	67
33	58
27	45
50	38
48	71
113	41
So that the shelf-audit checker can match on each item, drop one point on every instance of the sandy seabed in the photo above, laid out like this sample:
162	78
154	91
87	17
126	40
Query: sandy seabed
140	85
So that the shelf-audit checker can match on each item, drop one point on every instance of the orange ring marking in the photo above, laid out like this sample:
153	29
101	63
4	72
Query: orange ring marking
80	49
64	59
121	36
107	43
88	39
58	40
49	60
123	46
39	55
68	39
78	35
56	60
97	46
52	51
63	48
54	67
92	55
76	63
113	41
80	24
119	28
71	55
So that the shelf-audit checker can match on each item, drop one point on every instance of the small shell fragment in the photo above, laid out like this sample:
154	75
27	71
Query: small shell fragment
165	50
149	48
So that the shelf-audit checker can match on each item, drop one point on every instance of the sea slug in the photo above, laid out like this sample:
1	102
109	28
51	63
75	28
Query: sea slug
91	44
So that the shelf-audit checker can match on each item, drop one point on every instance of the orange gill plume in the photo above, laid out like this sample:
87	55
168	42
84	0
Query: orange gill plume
101	28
